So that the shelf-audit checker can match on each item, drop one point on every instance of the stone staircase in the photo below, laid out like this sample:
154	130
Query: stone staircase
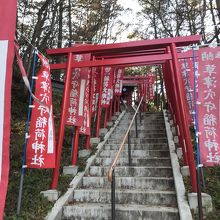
143	191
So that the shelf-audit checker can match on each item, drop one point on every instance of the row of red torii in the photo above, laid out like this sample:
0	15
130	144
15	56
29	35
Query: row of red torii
164	52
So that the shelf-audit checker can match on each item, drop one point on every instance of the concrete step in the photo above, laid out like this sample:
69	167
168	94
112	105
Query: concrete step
100	211
152	115
142	127
146	118
142	146
146	124
140	130
132	171
152	123
123	161
127	196
136	153
145	146
138	140
148	183
141	134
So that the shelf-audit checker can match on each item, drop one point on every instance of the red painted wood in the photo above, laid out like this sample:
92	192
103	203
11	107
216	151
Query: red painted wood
99	103
75	146
62	124
177	75
128	46
112	62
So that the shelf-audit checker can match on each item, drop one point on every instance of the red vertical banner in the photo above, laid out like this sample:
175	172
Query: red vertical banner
40	152
85	128
119	75
107	91
150	86
75	112
209	105
96	88
7	34
187	72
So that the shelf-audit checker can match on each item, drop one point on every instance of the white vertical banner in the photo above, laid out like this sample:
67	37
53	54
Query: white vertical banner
3	66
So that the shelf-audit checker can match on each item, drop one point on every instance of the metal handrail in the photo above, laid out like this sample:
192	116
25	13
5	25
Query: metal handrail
122	144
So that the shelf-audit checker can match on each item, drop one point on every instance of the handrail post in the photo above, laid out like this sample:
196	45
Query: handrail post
129	149
136	126
113	194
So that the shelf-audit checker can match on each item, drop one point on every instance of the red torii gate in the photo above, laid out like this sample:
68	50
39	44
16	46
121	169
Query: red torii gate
134	53
138	81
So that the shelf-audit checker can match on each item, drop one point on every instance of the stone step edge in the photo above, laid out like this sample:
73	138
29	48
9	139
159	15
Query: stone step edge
134	150
183	206
129	177
137	158
123	207
132	191
134	167
132	144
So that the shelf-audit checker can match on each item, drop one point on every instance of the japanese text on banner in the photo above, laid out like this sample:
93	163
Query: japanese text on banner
41	141
107	91
187	73
75	110
150	86
85	128
208	105
119	75
96	87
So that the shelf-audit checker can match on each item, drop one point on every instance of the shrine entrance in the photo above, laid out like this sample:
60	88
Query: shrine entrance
94	75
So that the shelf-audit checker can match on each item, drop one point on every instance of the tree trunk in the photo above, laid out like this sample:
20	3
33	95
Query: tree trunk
70	24
218	8
216	30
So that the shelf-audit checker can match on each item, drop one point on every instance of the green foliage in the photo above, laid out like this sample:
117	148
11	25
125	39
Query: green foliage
135	71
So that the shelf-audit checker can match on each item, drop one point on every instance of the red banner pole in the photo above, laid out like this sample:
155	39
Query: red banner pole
105	118
99	102
111	113
90	106
115	105
118	106
87	142
62	123
187	135
174	102
138	96
91	95
145	97
75	146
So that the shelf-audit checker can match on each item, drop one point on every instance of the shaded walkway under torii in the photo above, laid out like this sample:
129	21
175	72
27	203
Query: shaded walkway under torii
138	86
163	52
